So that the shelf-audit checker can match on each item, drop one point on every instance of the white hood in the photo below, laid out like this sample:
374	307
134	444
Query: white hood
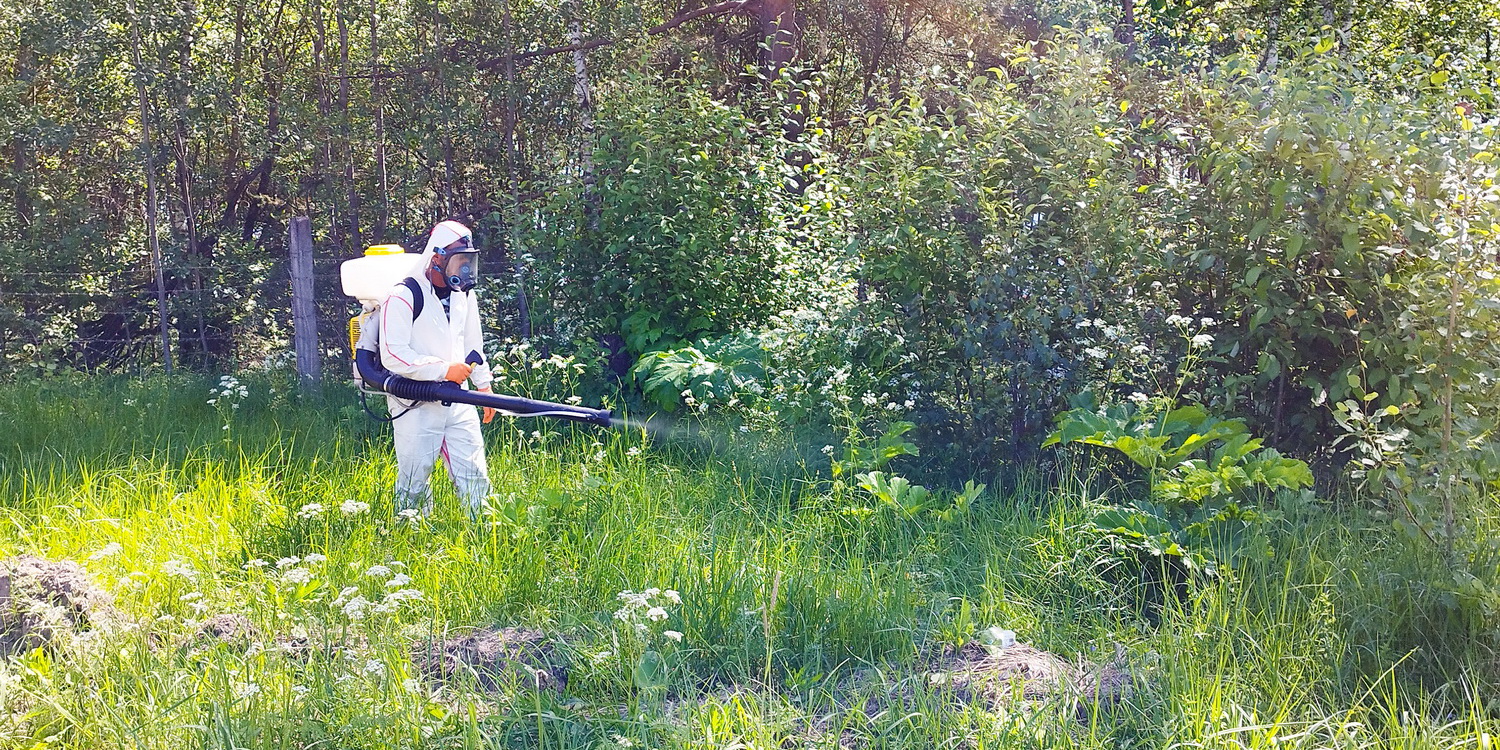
442	235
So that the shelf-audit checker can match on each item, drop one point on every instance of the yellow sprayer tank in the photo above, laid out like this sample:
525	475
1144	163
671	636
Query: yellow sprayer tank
370	278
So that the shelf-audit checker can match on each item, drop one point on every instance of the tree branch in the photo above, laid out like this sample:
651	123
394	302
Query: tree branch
724	7
728	6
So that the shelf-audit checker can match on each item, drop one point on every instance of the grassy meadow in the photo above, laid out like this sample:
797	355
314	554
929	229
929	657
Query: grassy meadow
676	593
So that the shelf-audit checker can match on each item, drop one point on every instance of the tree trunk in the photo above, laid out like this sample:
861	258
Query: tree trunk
234	141
1125	32
156	259
351	206
442	92
273	140
1268	61
583	93
523	307
383	216
184	172
22	160
780	34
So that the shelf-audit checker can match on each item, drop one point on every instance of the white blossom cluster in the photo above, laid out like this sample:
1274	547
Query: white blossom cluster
230	390
641	611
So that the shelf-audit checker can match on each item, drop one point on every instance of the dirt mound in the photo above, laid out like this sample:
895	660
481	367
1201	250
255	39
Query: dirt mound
495	658
994	676
997	677
1104	685
42	601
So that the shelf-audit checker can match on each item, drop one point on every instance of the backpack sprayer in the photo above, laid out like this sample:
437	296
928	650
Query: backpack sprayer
369	279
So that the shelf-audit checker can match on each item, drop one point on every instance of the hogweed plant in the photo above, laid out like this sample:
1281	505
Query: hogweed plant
226	397
1205	478
641	637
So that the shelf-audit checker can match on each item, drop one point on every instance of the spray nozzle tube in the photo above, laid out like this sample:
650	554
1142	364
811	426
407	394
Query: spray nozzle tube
376	376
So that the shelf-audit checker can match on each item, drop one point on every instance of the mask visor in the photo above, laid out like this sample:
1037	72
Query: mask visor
462	270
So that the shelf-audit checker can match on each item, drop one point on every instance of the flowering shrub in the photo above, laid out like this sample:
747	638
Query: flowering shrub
521	369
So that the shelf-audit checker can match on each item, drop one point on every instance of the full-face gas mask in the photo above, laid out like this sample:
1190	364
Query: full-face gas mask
459	263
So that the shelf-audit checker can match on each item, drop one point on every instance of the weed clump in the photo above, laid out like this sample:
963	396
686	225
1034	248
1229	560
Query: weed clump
44	601
493	659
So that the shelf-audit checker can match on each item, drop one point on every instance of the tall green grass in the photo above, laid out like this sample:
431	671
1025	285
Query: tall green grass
842	607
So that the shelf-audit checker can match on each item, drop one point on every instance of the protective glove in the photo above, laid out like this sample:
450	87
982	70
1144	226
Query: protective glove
458	372
489	411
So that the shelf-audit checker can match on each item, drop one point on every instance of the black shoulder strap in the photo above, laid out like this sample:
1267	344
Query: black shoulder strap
417	298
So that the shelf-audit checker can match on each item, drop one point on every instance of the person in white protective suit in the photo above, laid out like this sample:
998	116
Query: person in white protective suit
429	330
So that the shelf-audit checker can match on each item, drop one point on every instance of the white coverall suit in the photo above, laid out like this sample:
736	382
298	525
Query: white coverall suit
422	349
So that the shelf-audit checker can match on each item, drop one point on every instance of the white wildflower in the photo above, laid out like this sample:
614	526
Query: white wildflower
378	571
1139	398
412	685
1179	320
1096	352
673	635
297	575
657	614
311	510
314	558
400	579
635	450
373	666
108	550
1207	321
301	689
287	562
175	567
672	596
354	609
1202	340
828	450
353	507
404	595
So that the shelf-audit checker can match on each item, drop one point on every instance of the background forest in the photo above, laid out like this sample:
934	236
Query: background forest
1237	257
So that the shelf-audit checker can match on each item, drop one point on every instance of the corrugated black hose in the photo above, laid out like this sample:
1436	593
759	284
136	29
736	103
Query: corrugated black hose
377	377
